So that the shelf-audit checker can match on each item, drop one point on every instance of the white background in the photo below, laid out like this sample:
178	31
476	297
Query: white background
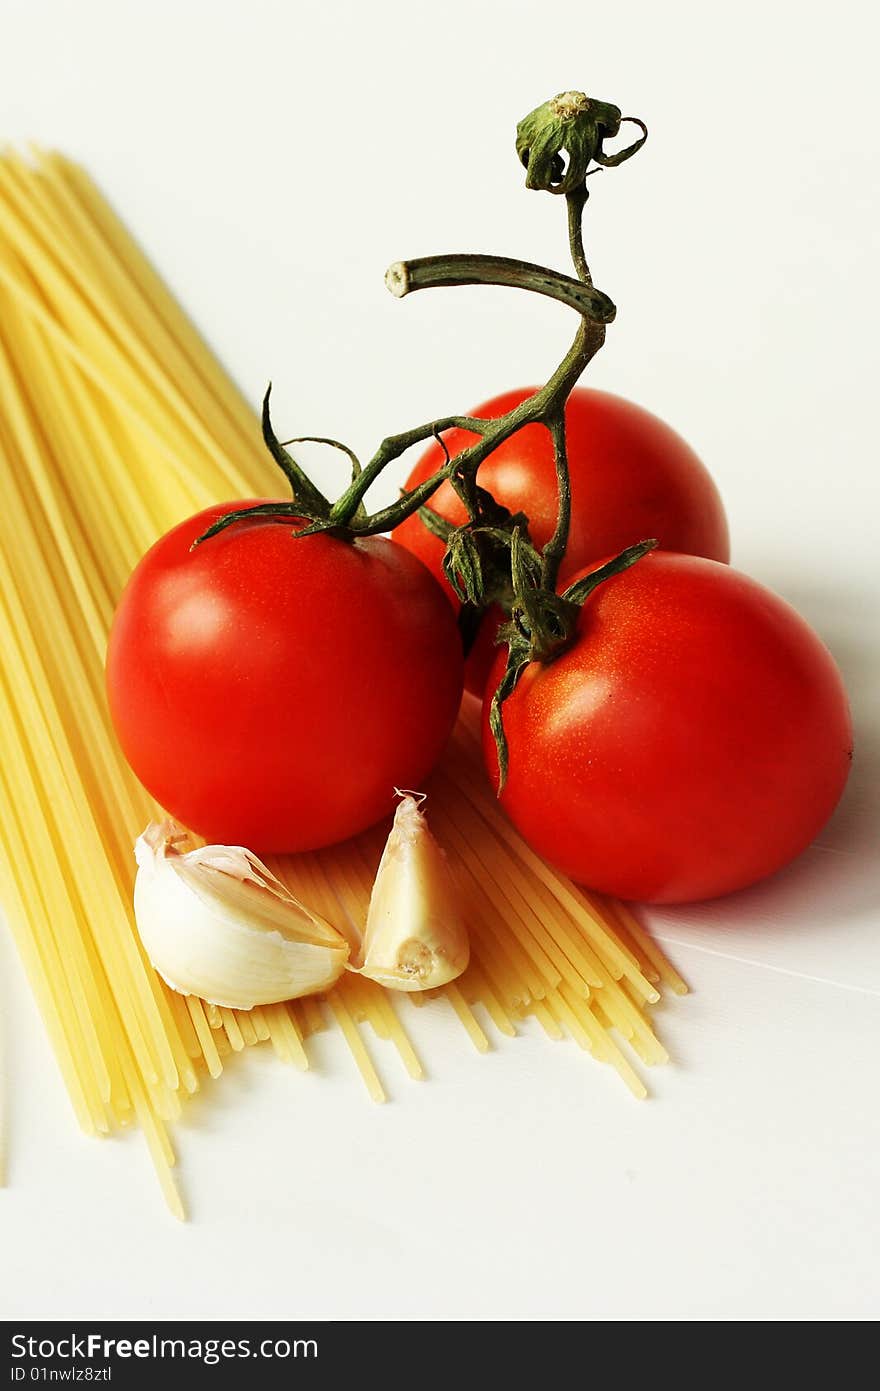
274	158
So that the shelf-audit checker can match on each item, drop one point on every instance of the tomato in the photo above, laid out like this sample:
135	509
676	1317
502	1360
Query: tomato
693	739
271	691
631	477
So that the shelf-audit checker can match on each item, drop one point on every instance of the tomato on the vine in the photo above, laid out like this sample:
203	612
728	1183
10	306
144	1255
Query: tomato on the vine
272	691
694	737
632	477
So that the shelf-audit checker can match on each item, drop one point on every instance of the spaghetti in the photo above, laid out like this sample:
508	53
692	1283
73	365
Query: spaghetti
115	423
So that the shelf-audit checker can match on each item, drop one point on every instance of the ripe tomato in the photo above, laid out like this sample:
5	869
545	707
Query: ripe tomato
272	692
631	477
693	739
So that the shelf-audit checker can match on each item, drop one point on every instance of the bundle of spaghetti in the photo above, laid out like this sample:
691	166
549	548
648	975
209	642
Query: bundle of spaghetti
116	421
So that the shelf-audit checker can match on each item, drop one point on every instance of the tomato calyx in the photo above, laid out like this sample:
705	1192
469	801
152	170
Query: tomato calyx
543	624
476	562
308	504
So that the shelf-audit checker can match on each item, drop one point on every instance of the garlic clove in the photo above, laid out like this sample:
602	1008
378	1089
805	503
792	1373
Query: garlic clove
415	938
216	922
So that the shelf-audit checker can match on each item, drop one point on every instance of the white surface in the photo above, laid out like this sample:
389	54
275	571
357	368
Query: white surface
274	158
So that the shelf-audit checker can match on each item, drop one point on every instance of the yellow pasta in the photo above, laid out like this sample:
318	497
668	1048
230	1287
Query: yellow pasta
116	421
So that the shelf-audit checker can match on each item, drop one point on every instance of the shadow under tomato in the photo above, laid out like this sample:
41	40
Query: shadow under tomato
840	619
821	908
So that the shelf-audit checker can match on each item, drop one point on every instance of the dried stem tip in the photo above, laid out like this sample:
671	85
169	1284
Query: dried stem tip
569	104
559	140
397	279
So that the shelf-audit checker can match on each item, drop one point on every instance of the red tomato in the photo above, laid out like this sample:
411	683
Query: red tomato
631	477
272	692
694	738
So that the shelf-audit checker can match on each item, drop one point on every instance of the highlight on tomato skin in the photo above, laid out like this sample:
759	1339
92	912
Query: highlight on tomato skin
694	739
272	691
632	476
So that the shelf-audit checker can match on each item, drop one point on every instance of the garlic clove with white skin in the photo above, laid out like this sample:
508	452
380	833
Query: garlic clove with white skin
415	938
216	922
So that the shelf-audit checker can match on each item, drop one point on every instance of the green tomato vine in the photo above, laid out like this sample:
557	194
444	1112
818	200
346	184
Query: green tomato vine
491	558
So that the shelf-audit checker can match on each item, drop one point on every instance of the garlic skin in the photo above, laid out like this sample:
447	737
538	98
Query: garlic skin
415	938
216	922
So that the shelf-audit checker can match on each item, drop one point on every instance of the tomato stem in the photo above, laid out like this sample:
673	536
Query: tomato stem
570	126
491	558
436	272
392	447
556	546
575	203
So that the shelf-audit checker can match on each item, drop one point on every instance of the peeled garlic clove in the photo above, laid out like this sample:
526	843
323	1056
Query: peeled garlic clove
216	922
415	938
